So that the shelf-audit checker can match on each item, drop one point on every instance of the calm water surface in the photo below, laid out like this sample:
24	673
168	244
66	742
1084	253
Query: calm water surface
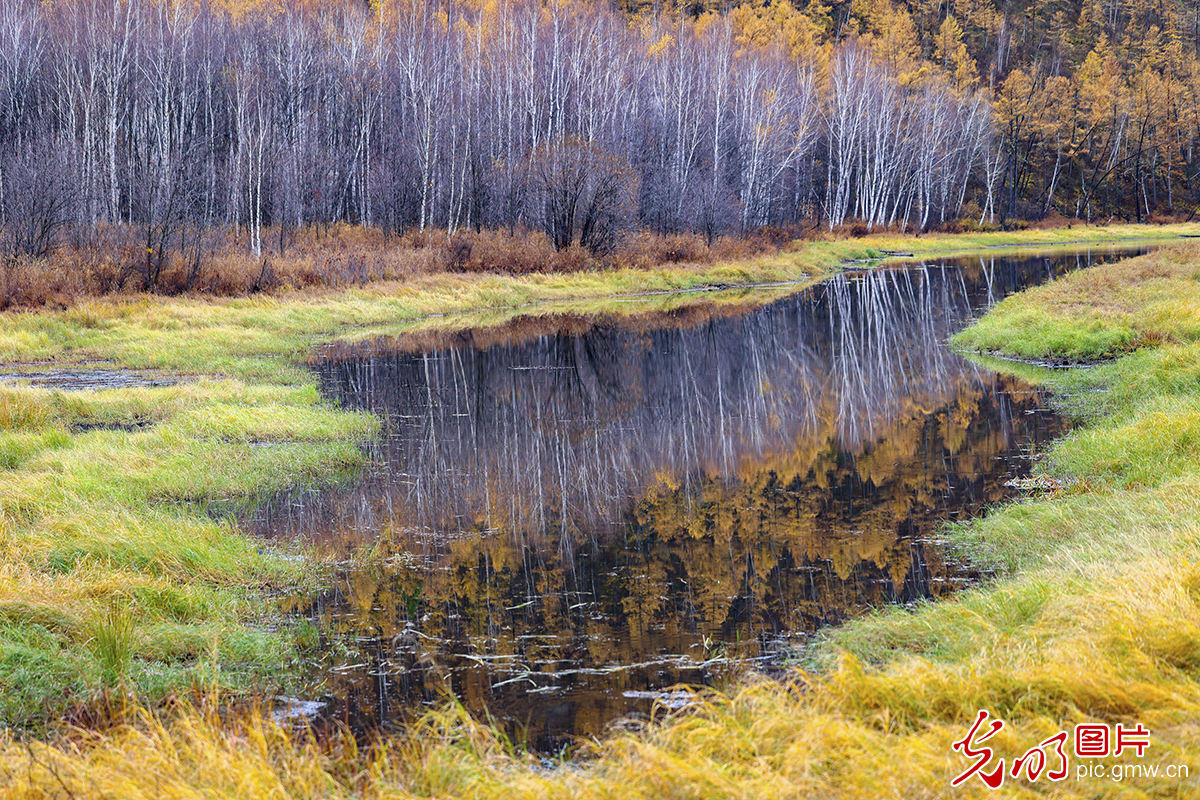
573	514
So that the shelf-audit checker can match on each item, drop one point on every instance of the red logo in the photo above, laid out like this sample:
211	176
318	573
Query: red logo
1138	738
1091	741
1049	757
994	778
1034	759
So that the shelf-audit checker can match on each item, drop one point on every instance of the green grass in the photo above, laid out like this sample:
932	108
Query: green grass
109	525
110	638
1098	313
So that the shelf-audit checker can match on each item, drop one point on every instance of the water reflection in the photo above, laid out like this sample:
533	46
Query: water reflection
572	514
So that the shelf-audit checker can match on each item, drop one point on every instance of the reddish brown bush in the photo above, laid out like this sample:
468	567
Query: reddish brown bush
646	250
112	259
502	252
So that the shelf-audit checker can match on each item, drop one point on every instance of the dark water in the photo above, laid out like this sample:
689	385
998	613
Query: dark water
79	379
573	514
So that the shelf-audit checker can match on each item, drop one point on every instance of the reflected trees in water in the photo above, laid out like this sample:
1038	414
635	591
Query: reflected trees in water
565	509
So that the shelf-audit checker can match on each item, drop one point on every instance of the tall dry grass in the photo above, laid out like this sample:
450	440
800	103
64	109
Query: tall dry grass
113	260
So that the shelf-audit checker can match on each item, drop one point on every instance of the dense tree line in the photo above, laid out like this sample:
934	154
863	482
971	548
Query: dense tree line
564	117
1095	103
581	120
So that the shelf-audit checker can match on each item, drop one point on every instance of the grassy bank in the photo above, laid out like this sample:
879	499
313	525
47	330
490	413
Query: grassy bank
111	572
110	575
260	338
115	261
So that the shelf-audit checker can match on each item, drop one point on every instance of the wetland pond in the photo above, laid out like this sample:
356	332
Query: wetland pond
572	514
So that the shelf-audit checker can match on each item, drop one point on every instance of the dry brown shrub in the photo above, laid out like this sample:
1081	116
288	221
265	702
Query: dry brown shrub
855	229
765	241
1051	220
110	259
58	280
1160	218
22	282
647	250
511	254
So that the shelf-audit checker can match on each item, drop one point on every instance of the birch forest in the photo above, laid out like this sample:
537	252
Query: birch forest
585	121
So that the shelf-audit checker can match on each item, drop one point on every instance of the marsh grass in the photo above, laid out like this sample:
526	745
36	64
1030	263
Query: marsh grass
21	410
1095	615
1102	312
261	338
110	638
108	554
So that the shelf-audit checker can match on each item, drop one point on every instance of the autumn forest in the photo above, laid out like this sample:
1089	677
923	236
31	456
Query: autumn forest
582	122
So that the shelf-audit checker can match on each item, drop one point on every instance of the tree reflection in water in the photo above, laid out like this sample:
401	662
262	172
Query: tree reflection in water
574	513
